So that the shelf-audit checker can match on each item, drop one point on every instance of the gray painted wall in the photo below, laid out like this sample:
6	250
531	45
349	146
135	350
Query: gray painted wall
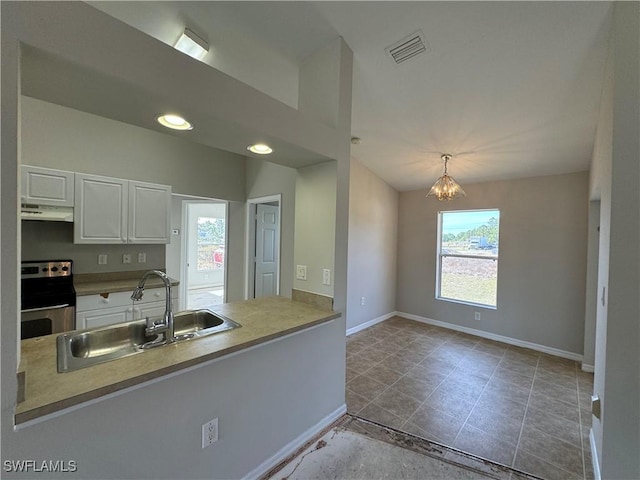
54	240
253	391
541	270
59	137
315	225
373	227
265	179
617	368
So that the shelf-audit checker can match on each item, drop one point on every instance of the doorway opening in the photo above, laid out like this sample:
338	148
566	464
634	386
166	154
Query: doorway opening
263	247
204	252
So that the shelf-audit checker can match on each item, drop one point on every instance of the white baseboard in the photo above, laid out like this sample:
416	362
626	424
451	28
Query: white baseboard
594	456
492	336
587	368
295	444
370	323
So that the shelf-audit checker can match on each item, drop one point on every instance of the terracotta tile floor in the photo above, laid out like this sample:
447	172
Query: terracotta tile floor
511	405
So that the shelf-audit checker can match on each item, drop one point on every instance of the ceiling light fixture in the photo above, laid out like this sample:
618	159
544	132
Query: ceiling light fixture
192	44
446	187
175	122
260	148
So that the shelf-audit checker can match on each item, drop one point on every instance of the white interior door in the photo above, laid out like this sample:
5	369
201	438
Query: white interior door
267	250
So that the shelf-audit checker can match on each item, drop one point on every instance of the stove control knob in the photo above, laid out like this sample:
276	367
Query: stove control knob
65	269
45	269
54	269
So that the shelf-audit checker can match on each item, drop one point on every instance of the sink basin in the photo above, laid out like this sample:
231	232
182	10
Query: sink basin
84	348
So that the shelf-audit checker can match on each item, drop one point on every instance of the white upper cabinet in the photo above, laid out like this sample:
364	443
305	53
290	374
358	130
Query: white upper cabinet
45	186
112	210
101	211
149	213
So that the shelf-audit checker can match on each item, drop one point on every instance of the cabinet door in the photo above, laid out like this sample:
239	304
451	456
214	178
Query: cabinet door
100	214
44	186
102	317
149	310
149	213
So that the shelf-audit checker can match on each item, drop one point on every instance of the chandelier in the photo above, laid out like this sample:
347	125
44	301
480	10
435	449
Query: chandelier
446	187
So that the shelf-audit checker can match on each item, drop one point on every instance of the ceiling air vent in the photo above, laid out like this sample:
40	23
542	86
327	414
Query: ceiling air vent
409	47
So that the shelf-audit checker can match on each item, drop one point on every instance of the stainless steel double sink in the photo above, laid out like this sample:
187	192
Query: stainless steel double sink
84	348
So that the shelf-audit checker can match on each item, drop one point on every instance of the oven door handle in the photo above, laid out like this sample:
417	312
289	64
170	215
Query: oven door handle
64	305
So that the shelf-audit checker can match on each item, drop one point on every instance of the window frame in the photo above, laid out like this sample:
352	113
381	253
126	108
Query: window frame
440	256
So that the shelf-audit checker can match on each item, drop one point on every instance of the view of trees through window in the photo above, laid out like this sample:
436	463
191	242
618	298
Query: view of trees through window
211	237
468	256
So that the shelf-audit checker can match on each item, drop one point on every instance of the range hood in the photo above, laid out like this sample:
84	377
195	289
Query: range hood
46	212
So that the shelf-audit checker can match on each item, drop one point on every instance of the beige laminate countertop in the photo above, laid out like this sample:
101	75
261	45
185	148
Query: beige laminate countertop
95	284
48	391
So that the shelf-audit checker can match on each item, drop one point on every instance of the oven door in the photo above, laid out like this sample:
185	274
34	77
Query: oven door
36	322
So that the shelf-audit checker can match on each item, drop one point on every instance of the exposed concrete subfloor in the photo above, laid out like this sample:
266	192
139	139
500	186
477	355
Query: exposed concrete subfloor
358	449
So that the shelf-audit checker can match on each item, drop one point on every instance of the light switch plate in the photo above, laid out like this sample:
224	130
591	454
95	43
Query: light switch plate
301	272
326	276
102	259
126	258
142	257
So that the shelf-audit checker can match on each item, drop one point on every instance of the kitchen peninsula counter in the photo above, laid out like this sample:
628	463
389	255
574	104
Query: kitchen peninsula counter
262	320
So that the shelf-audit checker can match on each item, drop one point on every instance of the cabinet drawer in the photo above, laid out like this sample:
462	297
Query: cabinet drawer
121	299
102	317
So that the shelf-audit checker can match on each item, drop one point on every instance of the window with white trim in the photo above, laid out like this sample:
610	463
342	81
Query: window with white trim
468	244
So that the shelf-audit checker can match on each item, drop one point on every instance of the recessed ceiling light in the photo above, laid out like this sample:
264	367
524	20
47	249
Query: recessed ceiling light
192	44
260	148
175	122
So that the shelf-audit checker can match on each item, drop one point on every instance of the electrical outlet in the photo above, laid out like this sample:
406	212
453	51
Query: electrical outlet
126	258
102	259
301	272
477	315
209	433
142	257
326	276
362	301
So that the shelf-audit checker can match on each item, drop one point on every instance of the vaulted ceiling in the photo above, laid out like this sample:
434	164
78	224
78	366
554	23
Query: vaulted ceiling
510	89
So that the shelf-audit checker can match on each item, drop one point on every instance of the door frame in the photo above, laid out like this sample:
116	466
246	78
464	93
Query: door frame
184	242
250	243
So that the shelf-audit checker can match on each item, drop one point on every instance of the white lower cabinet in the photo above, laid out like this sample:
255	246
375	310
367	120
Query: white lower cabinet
106	309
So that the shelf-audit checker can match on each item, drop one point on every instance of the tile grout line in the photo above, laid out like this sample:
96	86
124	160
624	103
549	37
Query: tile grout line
476	403
437	386
584	467
526	410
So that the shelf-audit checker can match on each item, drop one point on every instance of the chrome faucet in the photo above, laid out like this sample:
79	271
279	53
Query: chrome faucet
164	326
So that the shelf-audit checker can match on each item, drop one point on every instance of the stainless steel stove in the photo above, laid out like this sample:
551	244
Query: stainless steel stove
48	299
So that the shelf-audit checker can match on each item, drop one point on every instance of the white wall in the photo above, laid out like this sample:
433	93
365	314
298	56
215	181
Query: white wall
265	179
373	243
541	269
315	226
617	368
